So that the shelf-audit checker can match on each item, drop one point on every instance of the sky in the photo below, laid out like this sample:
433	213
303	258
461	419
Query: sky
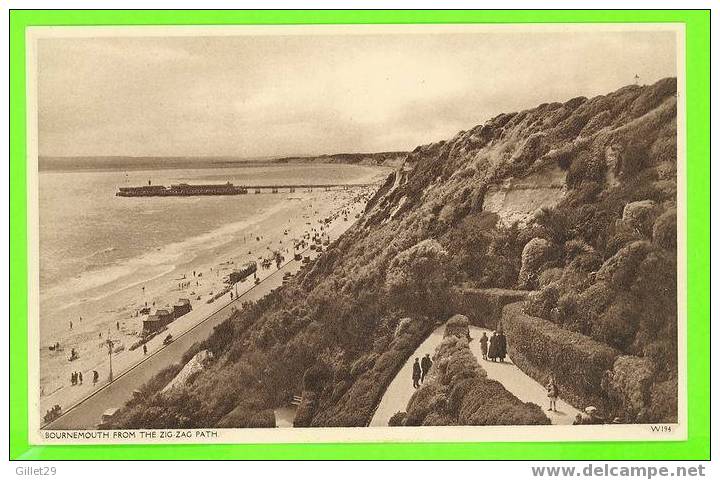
279	95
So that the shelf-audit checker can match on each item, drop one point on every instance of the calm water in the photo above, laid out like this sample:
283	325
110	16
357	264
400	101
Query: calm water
93	243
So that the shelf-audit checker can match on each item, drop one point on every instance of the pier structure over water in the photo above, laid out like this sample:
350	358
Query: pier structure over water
185	190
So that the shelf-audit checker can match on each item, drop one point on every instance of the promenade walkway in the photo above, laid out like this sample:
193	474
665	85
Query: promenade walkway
86	413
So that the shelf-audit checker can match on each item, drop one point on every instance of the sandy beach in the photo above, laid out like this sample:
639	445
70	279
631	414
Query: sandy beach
201	278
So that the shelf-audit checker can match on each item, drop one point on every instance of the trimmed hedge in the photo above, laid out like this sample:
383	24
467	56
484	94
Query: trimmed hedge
483	307
541	348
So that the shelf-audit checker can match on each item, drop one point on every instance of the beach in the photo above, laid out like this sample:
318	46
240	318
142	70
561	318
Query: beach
107	301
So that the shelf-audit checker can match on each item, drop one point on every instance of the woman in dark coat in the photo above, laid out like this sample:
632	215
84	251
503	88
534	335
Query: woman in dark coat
493	349
502	346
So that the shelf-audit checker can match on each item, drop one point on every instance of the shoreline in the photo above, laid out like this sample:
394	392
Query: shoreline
125	361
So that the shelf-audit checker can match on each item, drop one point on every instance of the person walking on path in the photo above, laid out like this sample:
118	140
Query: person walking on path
552	392
417	373
96	377
80	377
144	349
493	347
73	379
484	345
425	364
502	346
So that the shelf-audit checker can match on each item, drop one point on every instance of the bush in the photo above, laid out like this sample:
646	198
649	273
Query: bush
458	326
634	159
537	253
619	271
586	167
315	377
397	420
489	403
541	303
363	364
664	231
641	216
628	385
417	279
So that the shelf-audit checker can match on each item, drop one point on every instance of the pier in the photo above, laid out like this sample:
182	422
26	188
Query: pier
185	190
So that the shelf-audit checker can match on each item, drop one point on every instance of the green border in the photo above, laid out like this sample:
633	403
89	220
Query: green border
697	446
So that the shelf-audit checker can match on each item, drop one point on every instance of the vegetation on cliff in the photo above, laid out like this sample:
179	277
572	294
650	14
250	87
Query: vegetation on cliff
601	256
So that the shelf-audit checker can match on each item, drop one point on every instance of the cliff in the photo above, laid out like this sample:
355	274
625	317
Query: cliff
574	201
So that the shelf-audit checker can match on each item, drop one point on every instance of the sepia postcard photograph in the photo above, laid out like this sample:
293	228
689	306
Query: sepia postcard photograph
357	233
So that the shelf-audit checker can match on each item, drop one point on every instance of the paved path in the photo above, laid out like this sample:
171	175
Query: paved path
519	384
525	388
400	390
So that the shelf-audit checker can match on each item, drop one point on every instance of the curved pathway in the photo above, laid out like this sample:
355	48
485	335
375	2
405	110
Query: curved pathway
400	390
519	384
525	388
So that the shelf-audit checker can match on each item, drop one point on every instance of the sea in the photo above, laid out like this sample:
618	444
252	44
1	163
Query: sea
94	244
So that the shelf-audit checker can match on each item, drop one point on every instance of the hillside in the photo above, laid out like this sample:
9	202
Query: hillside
572	201
111	163
385	159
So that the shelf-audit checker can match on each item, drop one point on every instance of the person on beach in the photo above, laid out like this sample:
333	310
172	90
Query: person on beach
70	324
484	346
417	373
117	324
552	393
425	364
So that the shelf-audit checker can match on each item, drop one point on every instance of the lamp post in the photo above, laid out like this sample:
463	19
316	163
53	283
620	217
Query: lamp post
110	344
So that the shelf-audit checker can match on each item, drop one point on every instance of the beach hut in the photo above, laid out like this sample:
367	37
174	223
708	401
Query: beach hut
181	307
151	324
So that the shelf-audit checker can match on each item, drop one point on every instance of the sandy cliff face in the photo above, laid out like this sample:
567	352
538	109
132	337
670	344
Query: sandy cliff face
517	200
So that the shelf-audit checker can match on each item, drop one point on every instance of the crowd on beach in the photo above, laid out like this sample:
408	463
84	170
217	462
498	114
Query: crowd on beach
193	287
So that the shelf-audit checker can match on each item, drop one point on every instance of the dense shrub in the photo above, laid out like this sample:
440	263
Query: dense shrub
586	167
417	279
664	231
488	403
537	255
397	420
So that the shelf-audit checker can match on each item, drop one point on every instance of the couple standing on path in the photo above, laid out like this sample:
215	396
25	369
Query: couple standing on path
420	369
497	348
